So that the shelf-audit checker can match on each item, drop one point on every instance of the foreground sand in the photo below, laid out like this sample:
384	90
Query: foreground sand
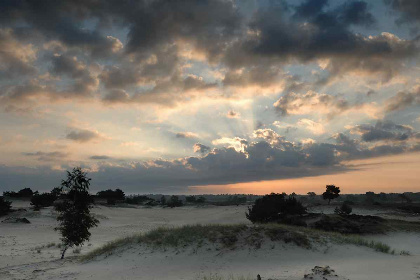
27	251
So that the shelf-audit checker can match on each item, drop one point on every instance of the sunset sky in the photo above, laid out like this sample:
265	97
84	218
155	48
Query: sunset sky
247	96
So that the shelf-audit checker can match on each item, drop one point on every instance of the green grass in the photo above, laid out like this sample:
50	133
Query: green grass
234	236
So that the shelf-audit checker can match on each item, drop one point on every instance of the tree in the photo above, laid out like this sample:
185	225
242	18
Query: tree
5	206
331	192
274	207
74	216
312	195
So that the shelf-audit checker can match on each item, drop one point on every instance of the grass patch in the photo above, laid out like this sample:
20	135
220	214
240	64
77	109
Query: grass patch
234	236
216	276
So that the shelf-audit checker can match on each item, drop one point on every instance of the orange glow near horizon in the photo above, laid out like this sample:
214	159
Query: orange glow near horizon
385	174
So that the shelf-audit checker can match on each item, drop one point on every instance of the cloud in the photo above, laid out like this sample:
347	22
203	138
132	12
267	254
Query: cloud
200	148
300	104
47	156
187	134
403	100
16	58
83	135
409	9
99	157
314	127
384	130
237	143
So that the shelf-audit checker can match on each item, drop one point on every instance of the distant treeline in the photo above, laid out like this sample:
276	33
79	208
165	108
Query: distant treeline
112	197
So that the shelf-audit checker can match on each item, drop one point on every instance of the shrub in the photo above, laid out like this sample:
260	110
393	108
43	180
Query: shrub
110	194
25	192
136	199
345	209
190	199
201	199
174	202
5	206
274	207
43	200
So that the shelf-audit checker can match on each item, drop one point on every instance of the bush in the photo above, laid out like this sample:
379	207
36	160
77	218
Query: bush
110	194
25	192
5	206
174	202
190	199
43	200
274	208
136	199
345	209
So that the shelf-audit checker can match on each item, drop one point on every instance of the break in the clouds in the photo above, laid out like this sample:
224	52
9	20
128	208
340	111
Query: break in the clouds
204	92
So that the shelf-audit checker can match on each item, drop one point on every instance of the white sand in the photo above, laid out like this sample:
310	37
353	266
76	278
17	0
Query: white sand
20	260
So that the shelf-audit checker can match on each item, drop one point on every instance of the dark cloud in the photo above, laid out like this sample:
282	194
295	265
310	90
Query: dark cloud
186	134
83	135
47	156
316	33
384	130
100	157
403	100
409	9
16	58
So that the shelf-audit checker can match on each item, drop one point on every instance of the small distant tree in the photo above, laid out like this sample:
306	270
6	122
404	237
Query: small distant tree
311	195
331	192
5	206
345	209
74	215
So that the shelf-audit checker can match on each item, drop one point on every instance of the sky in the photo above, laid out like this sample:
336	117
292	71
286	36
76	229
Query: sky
220	96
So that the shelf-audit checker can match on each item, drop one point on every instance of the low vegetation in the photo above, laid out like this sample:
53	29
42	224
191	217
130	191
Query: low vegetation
230	237
5	206
274	207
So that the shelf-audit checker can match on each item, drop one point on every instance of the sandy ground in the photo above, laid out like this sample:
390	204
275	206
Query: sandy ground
22	258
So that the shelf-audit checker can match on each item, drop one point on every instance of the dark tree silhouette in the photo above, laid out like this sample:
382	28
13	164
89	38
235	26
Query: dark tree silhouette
331	192
74	216
43	200
5	206
162	200
312	195
174	201
274	207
